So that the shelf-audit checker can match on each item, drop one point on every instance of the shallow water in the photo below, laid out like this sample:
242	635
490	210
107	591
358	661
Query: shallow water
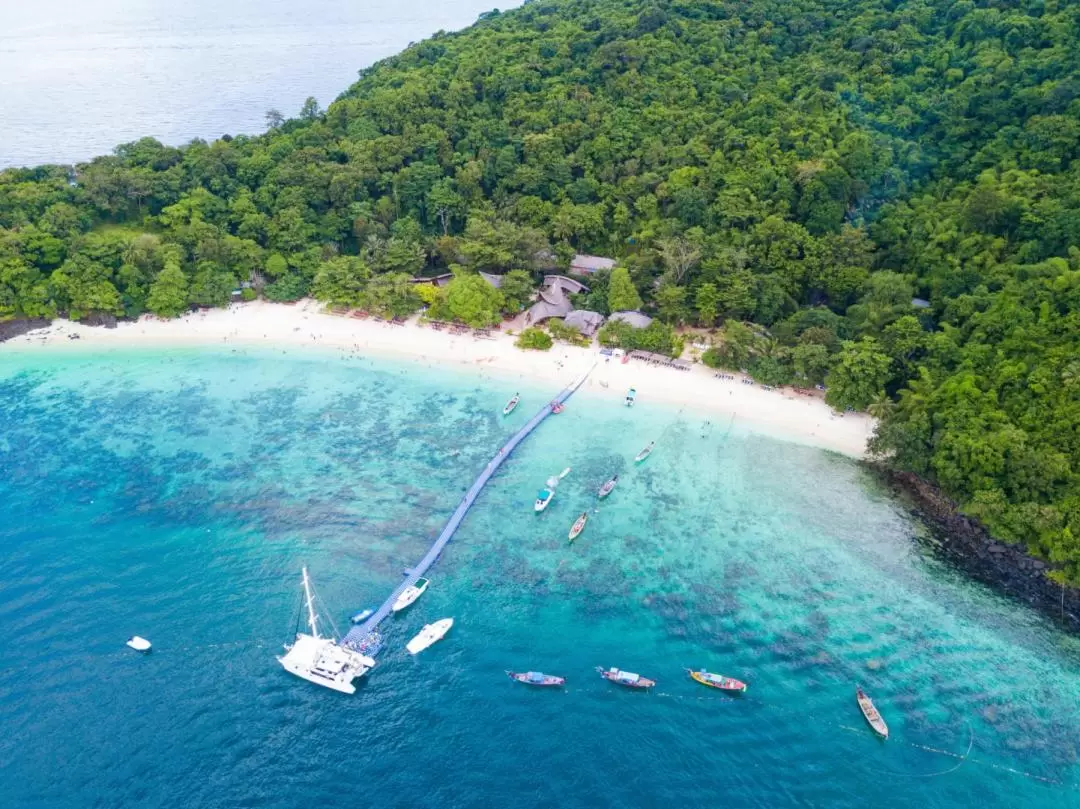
81	77
176	494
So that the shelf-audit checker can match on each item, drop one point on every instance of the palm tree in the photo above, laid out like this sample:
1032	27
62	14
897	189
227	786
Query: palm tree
881	406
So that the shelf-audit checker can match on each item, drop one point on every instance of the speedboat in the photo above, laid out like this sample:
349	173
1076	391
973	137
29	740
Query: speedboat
545	495
579	525
631	397
608	487
625	678
729	684
645	453
322	660
536	678
510	405
430	634
410	594
138	644
873	718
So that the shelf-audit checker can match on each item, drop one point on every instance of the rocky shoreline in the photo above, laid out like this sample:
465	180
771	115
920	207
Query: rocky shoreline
965	543
20	326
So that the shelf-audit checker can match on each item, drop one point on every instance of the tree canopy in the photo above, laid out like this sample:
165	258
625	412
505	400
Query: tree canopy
809	168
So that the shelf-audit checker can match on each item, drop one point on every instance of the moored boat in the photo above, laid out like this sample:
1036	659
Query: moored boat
138	644
608	487
873	718
430	634
625	678
719	681
631	397
510	405
321	660
645	453
536	678
410	594
545	495
363	615
579	525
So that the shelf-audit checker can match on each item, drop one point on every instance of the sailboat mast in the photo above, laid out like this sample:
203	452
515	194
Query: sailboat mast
309	597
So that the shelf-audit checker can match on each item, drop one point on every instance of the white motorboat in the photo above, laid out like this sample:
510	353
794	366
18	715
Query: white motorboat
410	594
321	660
429	635
548	492
138	644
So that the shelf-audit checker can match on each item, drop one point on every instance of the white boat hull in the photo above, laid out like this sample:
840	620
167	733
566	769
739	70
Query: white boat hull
408	597
323	662
430	634
540	505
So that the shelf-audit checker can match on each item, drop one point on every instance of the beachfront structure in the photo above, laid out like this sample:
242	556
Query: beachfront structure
554	298
360	636
587	265
586	322
438	280
635	319
494	280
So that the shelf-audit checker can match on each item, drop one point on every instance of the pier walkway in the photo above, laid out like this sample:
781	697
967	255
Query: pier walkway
360	631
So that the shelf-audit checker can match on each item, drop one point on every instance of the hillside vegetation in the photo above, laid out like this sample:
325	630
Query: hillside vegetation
794	172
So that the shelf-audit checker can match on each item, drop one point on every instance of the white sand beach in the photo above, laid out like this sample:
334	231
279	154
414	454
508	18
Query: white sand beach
781	413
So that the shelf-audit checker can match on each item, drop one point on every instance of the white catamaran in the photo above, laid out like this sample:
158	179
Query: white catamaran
320	660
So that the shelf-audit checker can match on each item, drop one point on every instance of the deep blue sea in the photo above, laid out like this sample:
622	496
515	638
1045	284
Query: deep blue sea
81	76
176	495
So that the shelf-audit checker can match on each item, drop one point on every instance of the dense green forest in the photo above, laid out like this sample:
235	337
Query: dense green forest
792	174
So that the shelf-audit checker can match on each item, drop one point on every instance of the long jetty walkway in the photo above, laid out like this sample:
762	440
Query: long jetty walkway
361	631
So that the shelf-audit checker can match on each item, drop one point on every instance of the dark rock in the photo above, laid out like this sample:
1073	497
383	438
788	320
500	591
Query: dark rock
20	325
100	319
967	545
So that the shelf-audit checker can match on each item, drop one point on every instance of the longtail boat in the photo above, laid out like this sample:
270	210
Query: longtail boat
536	678
579	525
625	678
866	705
607	488
510	405
719	681
645	453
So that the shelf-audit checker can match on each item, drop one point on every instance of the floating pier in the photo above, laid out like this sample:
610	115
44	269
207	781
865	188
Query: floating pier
360	632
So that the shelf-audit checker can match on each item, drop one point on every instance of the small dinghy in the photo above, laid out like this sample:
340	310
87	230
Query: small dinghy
429	635
410	594
645	453
545	495
362	616
138	644
511	404
866	705
579	525
719	681
608	488
631	397
625	678
536	678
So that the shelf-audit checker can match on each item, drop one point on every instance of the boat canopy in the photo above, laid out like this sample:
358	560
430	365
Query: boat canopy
628	676
543	494
534	676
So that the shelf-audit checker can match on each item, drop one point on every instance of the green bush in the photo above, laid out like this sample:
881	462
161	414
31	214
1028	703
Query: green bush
248	294
535	339
560	331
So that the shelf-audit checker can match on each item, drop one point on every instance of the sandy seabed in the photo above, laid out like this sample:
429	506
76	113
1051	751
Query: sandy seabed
780	413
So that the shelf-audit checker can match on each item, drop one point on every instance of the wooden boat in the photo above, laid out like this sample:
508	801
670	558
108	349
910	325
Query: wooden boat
511	404
625	678
719	681
430	634
579	525
545	495
866	705
410	594
536	678
608	488
631	397
645	453
362	616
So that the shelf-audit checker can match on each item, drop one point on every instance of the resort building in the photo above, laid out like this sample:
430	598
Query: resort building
586	322
635	319
587	265
554	300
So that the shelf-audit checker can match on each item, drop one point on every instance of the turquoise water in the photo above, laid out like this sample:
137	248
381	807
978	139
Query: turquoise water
176	495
